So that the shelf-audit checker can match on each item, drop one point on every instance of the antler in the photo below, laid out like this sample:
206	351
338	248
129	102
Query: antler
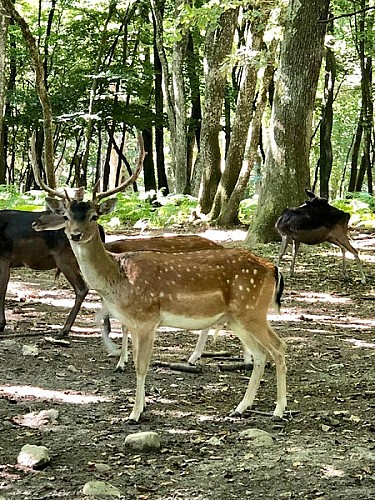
34	165
131	179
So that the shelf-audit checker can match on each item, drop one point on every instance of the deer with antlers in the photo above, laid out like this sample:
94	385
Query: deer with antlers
145	290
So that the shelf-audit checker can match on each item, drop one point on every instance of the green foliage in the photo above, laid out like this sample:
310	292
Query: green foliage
11	199
153	208
247	209
361	207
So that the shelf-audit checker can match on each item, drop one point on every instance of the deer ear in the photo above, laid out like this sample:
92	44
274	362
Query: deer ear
107	206
55	205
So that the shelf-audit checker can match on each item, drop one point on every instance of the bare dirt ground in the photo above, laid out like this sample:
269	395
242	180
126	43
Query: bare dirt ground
324	448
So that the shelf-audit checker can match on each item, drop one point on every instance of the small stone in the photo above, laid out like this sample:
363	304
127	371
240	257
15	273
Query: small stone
30	350
102	467
8	344
101	489
143	441
214	441
34	457
72	368
256	437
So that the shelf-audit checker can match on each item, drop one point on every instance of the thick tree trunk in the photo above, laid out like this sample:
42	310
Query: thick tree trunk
218	46
286	172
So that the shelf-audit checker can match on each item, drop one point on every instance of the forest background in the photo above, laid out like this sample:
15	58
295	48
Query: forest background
235	100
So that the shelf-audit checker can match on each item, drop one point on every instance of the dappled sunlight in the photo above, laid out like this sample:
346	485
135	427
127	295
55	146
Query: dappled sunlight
358	343
313	297
29	391
366	257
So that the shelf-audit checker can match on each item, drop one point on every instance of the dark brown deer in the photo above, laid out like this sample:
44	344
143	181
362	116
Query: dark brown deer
145	290
21	246
314	222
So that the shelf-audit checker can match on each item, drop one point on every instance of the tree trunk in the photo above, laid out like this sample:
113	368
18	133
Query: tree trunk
4	21
178	84
148	162
219	44
162	181
242	119
286	172
326	156
229	213
194	127
41	90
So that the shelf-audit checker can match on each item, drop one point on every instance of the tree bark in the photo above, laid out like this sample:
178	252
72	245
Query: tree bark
242	119
229	213
326	156
219	44
286	172
4	21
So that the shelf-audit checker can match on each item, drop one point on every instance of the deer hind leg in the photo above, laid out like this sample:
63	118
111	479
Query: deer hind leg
143	340
124	353
75	279
262	342
345	245
295	247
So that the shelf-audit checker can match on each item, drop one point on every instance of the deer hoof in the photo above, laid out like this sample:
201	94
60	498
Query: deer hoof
62	335
235	414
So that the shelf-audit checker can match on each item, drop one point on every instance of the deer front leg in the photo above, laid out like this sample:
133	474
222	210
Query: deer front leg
4	279
102	320
142	349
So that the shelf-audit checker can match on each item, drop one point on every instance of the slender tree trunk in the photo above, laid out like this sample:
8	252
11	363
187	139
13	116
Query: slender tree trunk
41	90
91	121
326	156
229	213
148	162
178	58
4	21
242	119
194	127
286	172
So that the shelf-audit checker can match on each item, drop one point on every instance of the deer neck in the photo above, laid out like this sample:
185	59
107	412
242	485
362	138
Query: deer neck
97	266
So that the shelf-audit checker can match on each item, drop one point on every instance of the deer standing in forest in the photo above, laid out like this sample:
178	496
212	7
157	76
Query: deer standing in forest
183	243
145	290
314	222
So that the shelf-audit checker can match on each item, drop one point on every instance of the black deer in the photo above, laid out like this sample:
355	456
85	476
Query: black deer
21	246
312	223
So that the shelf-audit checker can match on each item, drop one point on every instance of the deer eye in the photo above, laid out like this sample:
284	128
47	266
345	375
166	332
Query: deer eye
94	217
65	218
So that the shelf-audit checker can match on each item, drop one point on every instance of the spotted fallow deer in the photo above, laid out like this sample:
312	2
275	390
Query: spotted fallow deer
145	290
169	244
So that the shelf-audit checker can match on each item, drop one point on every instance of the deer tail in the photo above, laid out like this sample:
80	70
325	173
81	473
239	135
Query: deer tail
279	288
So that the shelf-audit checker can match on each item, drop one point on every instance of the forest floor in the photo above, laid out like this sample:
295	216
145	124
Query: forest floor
324	448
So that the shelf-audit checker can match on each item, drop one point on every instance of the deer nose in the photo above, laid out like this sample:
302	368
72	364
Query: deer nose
76	236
